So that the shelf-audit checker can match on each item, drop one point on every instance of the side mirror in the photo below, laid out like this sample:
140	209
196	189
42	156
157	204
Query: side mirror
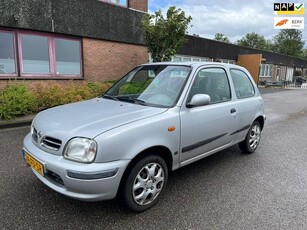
199	100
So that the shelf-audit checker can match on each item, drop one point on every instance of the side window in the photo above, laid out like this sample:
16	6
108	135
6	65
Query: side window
242	83
214	82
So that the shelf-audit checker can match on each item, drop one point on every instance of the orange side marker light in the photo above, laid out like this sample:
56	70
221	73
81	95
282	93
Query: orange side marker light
171	128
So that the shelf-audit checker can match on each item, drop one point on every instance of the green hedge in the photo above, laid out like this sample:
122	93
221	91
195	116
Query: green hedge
16	100
19	98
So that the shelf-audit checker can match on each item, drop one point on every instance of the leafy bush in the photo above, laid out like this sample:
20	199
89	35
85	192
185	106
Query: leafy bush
19	99
15	100
98	88
49	94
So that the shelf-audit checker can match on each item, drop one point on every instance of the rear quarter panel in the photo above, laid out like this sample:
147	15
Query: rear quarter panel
249	108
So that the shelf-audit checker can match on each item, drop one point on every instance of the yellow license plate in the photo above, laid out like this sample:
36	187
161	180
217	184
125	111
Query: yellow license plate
36	165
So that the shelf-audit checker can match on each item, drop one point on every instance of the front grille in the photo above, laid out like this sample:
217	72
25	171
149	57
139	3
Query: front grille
34	135
51	143
45	141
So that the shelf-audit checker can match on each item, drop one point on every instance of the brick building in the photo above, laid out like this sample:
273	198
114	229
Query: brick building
88	40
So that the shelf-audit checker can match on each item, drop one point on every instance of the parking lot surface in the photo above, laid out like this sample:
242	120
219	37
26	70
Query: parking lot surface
228	190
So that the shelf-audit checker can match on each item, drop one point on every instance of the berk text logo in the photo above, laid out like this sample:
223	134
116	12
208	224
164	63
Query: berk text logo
288	22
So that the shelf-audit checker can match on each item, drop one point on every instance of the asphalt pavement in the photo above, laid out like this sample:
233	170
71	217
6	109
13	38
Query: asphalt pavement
228	190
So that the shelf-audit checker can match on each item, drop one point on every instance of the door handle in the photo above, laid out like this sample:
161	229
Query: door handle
233	110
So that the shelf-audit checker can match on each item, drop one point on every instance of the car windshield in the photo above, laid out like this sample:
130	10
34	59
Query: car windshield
153	85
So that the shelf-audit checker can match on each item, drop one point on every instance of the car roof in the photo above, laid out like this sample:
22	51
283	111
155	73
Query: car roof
195	64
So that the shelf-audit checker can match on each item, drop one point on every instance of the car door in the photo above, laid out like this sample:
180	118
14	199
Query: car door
206	129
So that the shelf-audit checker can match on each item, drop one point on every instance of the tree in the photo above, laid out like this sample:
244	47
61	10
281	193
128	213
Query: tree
253	40
270	46
164	36
221	37
289	42
304	54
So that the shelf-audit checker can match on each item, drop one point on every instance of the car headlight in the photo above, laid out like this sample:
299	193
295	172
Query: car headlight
81	149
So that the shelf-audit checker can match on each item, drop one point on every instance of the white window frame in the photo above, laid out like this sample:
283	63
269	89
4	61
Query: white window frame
265	70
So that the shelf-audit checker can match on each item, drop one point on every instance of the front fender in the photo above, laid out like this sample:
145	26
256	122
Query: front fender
127	141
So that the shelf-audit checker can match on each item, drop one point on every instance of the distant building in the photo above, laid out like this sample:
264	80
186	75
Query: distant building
263	65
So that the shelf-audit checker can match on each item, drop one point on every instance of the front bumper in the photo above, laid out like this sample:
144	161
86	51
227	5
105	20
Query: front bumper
88	182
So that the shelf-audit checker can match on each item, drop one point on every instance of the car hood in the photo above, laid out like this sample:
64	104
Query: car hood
90	118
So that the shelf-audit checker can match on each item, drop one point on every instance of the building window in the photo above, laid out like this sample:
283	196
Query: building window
183	58
7	53
265	70
39	55
228	61
116	2
176	59
186	59
35	54
68	56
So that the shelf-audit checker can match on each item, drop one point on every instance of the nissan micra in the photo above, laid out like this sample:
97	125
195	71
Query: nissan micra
157	118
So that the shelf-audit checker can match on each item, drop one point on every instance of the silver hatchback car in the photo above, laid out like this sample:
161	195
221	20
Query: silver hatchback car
157	118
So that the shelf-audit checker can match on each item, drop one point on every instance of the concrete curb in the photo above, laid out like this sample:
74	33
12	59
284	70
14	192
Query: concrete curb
17	122
15	125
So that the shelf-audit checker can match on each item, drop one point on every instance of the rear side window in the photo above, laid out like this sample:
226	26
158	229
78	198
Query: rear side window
242	83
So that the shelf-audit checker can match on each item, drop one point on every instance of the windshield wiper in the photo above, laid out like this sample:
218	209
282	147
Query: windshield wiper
109	96
139	101
133	100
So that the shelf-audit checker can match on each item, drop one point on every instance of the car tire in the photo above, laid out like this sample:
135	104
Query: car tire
252	139
145	183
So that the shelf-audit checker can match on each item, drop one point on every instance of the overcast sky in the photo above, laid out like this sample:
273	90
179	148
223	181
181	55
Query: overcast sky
234	18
